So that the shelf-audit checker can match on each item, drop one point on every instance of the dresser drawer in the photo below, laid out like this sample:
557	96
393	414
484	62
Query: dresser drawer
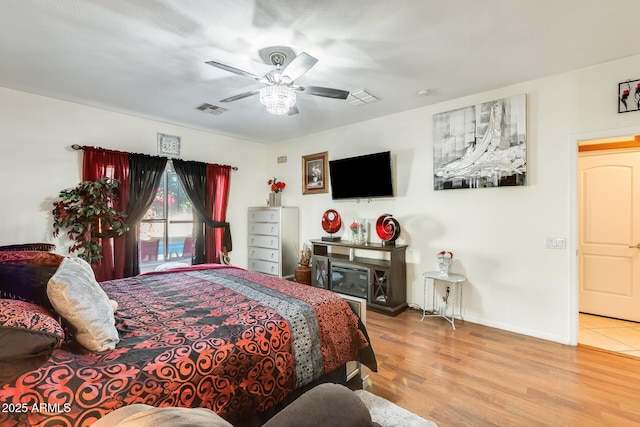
265	267
263	241
271	229
264	254
264	216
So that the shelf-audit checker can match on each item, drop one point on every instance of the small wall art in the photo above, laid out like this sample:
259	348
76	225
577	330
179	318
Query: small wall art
315	170
629	96
484	145
168	145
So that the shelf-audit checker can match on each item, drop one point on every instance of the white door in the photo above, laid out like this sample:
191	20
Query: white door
609	234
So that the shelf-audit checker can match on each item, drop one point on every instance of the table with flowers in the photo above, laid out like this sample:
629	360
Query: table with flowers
452	294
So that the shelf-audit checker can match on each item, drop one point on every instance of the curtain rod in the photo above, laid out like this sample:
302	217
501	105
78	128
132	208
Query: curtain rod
81	147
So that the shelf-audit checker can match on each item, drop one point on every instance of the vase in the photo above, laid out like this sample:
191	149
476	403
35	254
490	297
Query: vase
275	199
359	231
444	264
302	274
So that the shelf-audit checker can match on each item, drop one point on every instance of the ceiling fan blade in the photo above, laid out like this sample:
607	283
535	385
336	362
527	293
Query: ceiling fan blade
241	95
299	65
293	110
236	70
327	92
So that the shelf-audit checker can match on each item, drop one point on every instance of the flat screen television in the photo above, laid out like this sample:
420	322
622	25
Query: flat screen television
361	177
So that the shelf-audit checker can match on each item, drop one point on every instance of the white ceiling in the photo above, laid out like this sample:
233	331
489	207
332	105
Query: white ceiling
147	57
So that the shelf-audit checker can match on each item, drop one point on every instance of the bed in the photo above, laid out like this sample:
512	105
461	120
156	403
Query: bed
213	336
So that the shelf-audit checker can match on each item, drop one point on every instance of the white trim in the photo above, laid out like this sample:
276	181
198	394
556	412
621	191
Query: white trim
574	140
535	333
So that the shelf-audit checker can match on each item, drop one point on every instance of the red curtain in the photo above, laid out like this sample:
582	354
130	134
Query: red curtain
99	163
218	183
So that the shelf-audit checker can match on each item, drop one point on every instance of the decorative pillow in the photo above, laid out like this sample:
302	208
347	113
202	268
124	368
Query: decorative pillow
31	257
169	265
79	299
26	282
27	330
324	405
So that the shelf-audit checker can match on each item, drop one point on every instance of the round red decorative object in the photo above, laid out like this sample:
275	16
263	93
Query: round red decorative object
388	228
331	221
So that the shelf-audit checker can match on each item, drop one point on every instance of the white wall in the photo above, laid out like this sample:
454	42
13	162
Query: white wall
37	162
497	234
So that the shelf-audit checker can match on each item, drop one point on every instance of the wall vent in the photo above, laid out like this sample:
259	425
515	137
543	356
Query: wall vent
212	109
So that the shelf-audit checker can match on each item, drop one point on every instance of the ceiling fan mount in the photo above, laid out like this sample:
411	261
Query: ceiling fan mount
279	92
277	58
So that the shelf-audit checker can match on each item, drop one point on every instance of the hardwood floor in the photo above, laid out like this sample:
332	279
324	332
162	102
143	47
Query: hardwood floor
481	376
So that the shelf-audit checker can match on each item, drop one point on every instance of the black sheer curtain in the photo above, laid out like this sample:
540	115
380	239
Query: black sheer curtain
145	174
193	176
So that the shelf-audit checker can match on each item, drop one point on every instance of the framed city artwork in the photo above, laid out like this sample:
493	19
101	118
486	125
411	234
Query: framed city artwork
315	173
483	145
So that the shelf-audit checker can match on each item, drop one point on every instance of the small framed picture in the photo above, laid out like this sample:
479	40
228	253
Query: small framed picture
315	173
168	145
629	96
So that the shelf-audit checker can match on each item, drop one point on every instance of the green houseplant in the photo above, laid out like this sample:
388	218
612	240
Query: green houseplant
86	213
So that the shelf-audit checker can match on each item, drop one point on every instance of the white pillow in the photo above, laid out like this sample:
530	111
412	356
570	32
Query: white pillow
169	265
79	299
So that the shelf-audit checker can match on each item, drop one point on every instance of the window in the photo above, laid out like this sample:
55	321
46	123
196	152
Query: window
166	228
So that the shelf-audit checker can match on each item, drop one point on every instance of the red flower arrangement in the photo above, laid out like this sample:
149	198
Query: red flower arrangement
276	186
444	253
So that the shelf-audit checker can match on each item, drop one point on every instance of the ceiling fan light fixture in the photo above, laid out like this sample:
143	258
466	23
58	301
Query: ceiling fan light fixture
278	98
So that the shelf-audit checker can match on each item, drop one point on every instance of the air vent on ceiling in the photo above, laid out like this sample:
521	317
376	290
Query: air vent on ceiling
212	109
361	97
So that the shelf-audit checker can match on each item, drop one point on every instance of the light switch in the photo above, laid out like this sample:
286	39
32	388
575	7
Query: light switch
555	243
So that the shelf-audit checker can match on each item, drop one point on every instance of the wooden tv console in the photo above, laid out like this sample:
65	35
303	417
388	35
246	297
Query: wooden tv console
387	290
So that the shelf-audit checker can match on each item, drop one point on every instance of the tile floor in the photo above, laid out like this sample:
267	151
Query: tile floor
620	336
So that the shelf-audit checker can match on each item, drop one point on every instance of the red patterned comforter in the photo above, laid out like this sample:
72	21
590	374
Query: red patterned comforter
221	338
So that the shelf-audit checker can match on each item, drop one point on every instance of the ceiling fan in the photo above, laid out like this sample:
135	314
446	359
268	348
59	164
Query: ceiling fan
279	93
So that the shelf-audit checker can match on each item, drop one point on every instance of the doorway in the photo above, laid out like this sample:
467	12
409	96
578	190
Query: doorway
605	333
608	246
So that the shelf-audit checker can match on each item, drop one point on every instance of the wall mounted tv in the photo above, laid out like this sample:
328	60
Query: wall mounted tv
361	177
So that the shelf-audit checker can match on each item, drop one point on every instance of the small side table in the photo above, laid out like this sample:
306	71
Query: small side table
454	282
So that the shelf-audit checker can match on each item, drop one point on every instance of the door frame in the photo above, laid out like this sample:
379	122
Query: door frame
574	282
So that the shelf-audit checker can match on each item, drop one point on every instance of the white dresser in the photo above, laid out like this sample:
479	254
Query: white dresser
273	240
